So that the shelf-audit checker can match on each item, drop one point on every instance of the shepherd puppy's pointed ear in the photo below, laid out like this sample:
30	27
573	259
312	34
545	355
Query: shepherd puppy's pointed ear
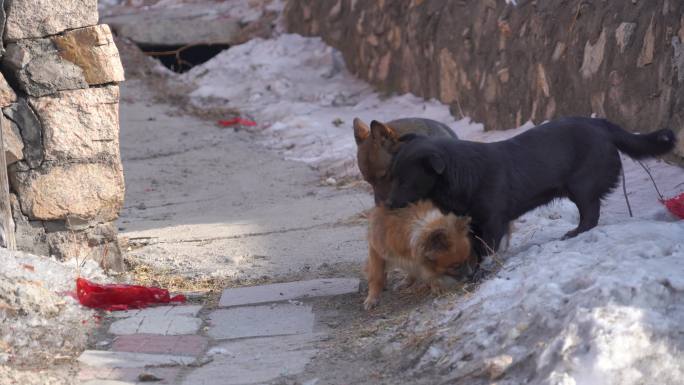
436	163
380	130
361	131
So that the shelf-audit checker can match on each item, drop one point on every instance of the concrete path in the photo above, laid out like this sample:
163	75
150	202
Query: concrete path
202	201
269	334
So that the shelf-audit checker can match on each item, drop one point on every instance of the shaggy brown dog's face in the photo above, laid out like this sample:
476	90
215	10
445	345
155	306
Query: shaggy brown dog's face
375	147
445	247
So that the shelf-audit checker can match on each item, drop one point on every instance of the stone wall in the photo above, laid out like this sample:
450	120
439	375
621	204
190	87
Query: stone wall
59	98
504	65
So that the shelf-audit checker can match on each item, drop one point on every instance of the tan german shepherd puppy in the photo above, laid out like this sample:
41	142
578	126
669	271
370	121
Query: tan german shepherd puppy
378	143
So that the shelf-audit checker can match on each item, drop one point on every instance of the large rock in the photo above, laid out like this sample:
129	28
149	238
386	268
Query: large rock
31	131
88	191
73	60
177	26
38	18
38	69
93	50
80	124
11	138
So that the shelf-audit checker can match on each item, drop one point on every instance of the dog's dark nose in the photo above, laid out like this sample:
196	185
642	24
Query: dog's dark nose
465	271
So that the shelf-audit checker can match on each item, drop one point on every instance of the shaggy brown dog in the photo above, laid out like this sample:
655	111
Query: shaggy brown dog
420	240
376	145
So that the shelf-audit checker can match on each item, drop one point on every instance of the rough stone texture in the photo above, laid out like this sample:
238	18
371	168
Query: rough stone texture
72	60
624	34
98	242
38	18
260	321
485	58
89	191
256	360
176	26
38	69
94	51
31	131
7	94
30	235
11	138
287	291
61	128
80	124
224	22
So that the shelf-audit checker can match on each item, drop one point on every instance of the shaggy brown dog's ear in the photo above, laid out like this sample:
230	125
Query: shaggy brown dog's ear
460	223
361	130
438	240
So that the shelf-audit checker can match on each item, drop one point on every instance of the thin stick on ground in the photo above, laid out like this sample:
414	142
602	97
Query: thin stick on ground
648	171
492	252
624	191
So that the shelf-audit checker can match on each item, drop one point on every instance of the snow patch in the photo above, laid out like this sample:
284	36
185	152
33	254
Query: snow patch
39	322
299	90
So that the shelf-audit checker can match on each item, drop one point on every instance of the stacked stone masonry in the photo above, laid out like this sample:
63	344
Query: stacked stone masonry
504	64
59	97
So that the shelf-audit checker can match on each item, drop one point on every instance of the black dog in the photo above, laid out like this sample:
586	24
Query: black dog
495	183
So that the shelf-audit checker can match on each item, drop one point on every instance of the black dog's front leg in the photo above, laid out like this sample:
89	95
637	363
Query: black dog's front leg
487	242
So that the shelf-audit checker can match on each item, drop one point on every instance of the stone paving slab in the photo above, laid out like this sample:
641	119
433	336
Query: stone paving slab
107	359
158	311
261	321
256	360
129	376
286	291
173	322
184	345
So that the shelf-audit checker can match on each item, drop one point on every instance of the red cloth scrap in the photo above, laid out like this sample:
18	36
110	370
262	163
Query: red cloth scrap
121	297
675	205
237	121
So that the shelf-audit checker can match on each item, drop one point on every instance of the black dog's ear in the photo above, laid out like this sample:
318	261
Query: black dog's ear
407	137
436	163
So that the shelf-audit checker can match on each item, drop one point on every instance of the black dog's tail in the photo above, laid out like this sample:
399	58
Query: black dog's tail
641	146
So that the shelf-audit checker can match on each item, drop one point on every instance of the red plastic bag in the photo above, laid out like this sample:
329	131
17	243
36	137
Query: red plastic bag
675	205
121	297
236	121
